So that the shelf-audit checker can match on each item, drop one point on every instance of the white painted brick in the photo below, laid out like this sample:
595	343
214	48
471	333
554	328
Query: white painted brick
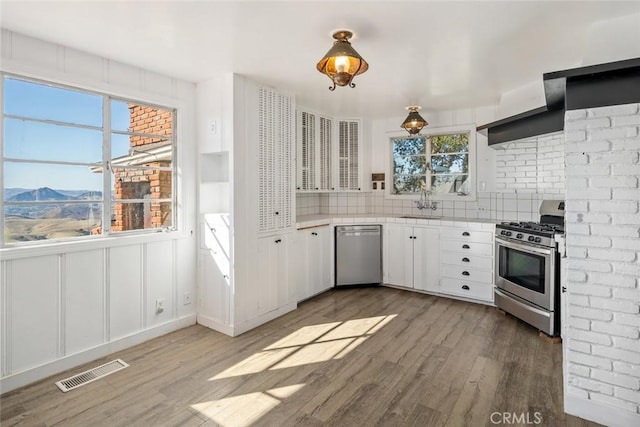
589	265
589	289
627	344
591	194
626	193
619	132
591	385
629	294
627	319
615	329
627	368
591	147
613	401
603	122
588	218
623	170
616	110
615	280
625	144
584	324
626	219
620	206
574	115
583	358
616	379
590	337
626	120
609	255
577	276
620	243
570	137
579	370
613	158
590	313
616	354
573	228
577	159
579	300
622	181
577	252
577	392
626	394
620	306
589	241
577	206
577	183
630	268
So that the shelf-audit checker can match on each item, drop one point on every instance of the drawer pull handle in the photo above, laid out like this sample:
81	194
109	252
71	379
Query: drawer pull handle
465	273
465	247
465	259
465	287
466	233
278	240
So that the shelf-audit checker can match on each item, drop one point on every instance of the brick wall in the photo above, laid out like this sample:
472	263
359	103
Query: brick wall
139	184
603	257
532	165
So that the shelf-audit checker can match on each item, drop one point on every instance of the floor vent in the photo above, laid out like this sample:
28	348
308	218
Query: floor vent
91	375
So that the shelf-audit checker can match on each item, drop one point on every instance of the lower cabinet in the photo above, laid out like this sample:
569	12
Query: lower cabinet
412	257
311	254
274	290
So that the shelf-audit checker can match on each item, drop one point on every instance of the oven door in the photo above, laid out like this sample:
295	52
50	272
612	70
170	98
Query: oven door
526	271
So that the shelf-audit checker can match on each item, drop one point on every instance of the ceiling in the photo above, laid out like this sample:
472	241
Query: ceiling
441	55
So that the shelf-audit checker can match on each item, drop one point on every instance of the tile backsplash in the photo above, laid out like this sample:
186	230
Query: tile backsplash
489	205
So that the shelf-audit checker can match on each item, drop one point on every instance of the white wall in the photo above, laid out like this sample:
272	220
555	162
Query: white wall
603	253
70	303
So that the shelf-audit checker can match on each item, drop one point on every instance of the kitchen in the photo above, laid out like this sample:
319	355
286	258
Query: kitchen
223	104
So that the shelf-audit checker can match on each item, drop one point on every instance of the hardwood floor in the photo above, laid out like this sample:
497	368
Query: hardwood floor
357	357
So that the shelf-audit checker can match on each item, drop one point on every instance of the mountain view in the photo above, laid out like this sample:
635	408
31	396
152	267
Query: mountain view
26	222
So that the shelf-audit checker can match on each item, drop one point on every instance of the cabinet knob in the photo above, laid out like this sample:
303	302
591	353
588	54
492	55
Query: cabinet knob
317	188
358	188
278	240
314	233
465	259
297	188
465	287
465	247
466	233
333	188
465	273
277	213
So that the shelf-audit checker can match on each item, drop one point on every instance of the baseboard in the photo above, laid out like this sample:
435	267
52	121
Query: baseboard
257	321
599	413
215	325
38	373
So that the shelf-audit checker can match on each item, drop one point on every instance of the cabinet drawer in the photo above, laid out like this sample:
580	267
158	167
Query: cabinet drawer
467	260
464	273
466	288
463	247
466	234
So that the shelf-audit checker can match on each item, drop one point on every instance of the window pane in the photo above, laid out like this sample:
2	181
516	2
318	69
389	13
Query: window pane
450	163
24	223
138	151
450	184
39	101
141	216
136	183
139	118
455	143
408	184
408	146
33	181
412	165
40	141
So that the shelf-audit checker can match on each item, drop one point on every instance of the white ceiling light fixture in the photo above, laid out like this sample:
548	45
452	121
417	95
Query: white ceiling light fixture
342	63
414	121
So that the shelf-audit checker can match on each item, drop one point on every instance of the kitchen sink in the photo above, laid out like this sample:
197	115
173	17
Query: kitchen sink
420	217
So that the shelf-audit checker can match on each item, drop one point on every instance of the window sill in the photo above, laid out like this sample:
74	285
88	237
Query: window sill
61	247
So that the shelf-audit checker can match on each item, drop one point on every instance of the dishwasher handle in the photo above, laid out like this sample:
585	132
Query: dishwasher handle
352	231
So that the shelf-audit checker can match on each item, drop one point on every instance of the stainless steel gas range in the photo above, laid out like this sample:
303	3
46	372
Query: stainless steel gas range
528	268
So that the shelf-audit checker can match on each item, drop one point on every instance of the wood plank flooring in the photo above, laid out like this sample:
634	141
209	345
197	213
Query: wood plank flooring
356	357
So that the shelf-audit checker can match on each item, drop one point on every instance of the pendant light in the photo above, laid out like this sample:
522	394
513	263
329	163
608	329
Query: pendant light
342	63
414	121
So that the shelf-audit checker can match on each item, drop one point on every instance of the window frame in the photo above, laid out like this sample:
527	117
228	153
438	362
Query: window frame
469	129
106	161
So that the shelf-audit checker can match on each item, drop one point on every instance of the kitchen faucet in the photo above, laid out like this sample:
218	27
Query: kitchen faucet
424	202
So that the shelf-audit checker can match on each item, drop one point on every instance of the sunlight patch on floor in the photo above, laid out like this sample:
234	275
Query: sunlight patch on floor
310	344
243	410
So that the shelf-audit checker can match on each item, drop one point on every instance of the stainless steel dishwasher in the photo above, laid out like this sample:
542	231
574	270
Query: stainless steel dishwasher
358	255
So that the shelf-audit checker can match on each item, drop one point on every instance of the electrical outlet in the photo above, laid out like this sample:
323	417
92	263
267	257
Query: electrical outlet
159	305
186	298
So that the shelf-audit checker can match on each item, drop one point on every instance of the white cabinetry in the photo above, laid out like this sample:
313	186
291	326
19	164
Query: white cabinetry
273	290
315	152
467	262
412	257
313	253
349	155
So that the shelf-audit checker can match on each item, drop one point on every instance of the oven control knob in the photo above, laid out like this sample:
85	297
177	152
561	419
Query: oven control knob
538	240
531	238
508	233
519	236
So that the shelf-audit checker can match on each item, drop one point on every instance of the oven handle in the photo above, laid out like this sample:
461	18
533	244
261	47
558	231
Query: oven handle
516	301
524	248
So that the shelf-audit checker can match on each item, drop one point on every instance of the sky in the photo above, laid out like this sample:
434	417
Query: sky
40	141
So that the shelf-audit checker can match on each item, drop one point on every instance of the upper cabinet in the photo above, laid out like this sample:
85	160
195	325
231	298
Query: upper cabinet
275	160
329	153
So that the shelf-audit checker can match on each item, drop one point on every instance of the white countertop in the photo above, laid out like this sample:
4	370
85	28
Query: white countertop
307	221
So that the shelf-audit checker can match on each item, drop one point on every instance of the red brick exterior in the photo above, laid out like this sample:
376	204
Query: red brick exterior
139	184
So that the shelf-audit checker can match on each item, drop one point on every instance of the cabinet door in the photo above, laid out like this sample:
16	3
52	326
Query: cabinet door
273	286
276	191
325	181
399	255
349	155
306	136
297	248
426	259
318	259
214	294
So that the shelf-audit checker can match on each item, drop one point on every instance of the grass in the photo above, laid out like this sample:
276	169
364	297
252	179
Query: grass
28	229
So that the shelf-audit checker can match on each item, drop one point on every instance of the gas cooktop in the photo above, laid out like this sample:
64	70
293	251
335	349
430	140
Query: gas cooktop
533	227
534	233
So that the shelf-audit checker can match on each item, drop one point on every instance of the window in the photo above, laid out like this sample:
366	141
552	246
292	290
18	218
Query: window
64	149
439	163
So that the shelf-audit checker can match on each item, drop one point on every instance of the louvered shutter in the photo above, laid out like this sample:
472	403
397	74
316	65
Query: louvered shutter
348	155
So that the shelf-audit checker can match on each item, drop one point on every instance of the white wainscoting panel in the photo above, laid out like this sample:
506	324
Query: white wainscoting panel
125	291
159	281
